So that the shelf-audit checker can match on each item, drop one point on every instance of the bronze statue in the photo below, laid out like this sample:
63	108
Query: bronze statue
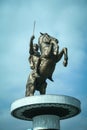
43	63
34	58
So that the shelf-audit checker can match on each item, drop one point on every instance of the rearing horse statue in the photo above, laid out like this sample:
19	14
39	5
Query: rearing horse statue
49	56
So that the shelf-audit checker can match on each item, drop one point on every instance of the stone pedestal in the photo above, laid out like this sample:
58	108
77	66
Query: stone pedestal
45	111
46	122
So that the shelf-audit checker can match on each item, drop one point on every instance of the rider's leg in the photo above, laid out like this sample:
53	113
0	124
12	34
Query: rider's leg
37	68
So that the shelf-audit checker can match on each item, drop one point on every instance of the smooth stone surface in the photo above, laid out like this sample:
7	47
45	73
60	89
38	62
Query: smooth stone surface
44	122
60	105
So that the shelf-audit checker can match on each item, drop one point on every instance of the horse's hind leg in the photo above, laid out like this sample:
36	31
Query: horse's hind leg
32	90
29	90
43	88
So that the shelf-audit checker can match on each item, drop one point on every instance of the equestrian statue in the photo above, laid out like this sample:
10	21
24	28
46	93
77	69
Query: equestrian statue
43	58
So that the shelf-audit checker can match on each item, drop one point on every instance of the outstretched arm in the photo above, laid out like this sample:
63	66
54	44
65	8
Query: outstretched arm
31	44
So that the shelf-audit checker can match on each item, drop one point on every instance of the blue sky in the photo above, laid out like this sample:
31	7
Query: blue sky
63	19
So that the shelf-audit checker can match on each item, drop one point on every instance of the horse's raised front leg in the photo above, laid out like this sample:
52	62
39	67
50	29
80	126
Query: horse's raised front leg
63	51
65	62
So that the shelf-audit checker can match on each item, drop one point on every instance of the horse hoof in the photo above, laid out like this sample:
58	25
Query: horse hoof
65	63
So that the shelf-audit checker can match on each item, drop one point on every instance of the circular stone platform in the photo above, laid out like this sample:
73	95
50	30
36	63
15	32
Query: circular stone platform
62	106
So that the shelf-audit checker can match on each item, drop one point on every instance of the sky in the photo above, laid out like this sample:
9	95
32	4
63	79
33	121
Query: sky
65	20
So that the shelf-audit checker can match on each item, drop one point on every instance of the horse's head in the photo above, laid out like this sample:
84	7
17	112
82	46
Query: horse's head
45	40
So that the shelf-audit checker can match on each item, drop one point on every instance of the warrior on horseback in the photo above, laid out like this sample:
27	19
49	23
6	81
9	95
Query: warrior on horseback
43	63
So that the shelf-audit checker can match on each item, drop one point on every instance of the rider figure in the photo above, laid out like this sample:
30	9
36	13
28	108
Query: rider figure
34	57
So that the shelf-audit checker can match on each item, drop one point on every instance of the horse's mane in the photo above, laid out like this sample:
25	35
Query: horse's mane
44	38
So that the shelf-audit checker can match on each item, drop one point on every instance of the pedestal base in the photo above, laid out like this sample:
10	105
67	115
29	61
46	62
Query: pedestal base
46	122
45	111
